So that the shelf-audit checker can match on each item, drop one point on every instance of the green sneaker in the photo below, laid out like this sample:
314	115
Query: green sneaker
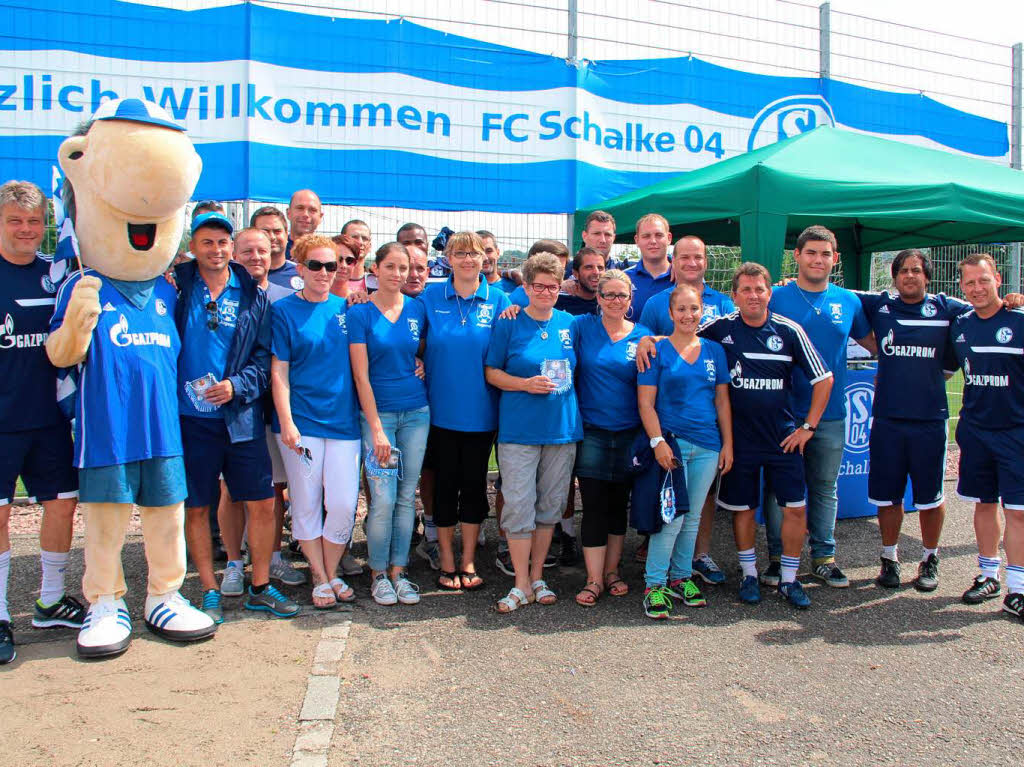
686	590
657	604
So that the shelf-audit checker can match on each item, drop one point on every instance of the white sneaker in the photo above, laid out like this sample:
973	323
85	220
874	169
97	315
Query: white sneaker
481	539
350	566
106	630
286	573
172	617
408	593
233	582
382	591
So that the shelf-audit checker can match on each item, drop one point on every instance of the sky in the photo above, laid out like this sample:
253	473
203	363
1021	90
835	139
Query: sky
995	21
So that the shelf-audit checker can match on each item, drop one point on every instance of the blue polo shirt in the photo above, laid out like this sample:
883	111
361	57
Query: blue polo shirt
518	348
458	334
519	297
203	350
505	285
126	405
606	376
286	275
28	398
655	314
391	353
646	285
313	339
829	318
685	402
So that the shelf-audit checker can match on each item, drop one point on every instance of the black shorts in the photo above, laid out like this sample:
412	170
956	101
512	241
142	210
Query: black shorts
43	458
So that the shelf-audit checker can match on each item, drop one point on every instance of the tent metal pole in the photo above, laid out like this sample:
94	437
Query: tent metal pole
1015	148
824	41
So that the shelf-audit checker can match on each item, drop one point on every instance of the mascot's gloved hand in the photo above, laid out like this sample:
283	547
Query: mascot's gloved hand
68	345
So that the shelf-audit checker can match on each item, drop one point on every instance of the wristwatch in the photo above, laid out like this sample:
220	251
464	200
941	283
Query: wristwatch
807	427
655	441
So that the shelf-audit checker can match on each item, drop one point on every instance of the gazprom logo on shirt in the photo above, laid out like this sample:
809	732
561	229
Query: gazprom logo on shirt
891	349
121	336
859	399
11	340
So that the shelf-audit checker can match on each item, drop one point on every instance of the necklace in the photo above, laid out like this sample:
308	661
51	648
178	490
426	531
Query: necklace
458	303
543	328
817	309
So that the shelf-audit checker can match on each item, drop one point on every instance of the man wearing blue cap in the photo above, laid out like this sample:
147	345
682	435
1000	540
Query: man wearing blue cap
223	372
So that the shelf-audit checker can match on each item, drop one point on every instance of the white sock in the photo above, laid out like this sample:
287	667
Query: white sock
788	568
275	558
429	529
928	552
54	565
989	566
569	526
239	563
5	569
889	552
748	561
1015	579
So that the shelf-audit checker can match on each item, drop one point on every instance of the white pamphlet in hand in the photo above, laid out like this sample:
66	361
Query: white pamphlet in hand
196	391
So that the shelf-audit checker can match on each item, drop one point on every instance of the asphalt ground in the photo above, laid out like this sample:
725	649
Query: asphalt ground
866	676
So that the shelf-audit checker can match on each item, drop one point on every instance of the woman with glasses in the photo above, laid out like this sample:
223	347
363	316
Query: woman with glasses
532	360
684	394
384	337
317	419
461	312
606	346
348	256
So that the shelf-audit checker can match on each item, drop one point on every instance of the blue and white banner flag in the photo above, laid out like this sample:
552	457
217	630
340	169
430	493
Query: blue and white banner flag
380	113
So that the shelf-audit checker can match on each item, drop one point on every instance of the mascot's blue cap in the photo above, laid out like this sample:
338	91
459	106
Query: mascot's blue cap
135	110
213	218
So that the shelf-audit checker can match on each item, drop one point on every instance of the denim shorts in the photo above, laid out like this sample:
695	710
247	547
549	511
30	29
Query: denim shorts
604	454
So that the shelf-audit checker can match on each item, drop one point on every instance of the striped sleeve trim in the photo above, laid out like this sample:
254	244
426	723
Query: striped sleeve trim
818	367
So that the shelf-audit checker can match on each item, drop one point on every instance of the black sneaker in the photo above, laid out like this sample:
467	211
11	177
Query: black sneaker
68	612
889	575
504	562
771	575
7	651
983	588
551	559
569	554
220	554
927	574
1014	604
831	574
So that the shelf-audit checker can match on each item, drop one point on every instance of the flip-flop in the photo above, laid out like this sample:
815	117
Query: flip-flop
451	575
611	583
464	574
337	584
595	593
321	592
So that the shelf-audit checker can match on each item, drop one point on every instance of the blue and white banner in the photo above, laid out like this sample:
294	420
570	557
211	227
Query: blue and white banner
380	113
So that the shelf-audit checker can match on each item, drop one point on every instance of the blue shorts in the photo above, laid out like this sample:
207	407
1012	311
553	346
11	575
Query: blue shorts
43	458
152	482
740	489
902	448
991	465
210	453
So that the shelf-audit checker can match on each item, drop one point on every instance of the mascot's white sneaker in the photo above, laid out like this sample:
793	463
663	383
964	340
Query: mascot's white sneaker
172	617
106	630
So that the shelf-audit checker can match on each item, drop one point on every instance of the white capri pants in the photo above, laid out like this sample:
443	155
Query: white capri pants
278	474
333	483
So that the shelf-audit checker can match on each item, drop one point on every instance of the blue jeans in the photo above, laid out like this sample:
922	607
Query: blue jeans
822	456
670	550
392	514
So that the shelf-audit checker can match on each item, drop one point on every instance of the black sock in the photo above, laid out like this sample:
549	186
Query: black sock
258	589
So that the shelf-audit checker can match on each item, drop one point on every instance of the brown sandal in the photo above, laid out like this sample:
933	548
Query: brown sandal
593	594
615	585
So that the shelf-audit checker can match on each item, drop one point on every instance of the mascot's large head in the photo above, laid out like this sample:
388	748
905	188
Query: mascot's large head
130	171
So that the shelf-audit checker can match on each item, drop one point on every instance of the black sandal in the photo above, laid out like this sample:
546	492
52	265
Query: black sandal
451	576
464	574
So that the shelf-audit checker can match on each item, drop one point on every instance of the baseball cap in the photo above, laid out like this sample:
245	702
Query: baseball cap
213	218
135	110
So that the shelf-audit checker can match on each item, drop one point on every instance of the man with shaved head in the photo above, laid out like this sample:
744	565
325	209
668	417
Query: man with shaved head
304	214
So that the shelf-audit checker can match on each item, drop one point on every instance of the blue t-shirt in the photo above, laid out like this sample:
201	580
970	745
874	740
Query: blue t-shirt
518	348
655	314
505	285
991	354
28	398
391	353
830	318
913	354
458	333
606	376
204	350
286	275
126	407
519	297
685	401
313	339
646	285
762	361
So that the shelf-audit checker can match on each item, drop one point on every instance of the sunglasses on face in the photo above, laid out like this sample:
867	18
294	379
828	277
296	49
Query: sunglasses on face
214	320
350	260
316	266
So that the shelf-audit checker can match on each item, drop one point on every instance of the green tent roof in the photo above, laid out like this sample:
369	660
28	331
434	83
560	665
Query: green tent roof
875	194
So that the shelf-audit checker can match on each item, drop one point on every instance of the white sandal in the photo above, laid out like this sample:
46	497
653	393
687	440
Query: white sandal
515	599
337	584
323	591
542	592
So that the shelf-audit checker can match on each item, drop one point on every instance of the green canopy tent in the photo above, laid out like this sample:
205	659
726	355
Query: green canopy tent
875	194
